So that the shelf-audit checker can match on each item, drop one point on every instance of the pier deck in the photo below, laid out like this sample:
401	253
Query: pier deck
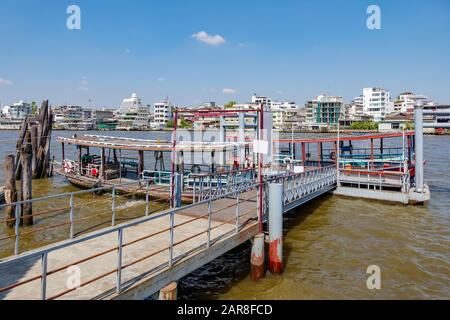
145	254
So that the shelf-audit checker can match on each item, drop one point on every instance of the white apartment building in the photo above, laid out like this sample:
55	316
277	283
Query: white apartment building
132	115
285	114
162	114
377	103
405	102
18	110
258	100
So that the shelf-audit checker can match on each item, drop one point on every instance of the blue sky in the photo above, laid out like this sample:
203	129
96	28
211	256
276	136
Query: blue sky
288	50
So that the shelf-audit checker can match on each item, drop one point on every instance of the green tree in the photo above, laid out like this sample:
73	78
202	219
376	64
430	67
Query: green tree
364	125
230	105
170	124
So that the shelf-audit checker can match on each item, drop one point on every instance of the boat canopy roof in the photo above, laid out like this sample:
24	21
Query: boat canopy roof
121	143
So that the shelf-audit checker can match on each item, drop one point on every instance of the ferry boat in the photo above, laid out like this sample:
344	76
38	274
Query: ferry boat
119	164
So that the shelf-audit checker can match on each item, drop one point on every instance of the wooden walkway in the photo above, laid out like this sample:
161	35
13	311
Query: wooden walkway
145	255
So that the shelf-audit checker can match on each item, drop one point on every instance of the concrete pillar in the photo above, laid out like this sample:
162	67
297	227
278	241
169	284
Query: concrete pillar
169	292
418	121
276	228
257	257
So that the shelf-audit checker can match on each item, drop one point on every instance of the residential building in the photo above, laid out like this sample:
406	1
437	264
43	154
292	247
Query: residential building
406	101
17	111
377	103
258	100
285	115
395	121
69	117
132	115
162	114
323	111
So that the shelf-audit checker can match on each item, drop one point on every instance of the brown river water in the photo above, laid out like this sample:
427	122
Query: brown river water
328	243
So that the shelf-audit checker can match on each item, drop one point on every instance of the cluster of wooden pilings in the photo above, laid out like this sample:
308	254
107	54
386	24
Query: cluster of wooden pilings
31	161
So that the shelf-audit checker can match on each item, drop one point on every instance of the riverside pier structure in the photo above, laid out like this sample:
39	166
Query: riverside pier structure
229	206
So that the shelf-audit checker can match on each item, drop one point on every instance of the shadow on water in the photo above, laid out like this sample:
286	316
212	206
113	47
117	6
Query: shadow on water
225	272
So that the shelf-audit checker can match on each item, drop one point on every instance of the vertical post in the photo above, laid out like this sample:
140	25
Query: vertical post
381	146
119	260
141	163
10	188
71	216
113	206
26	180
371	152
63	153
80	164
419	146
102	163
169	293
34	148
16	230
172	218
147	202
276	228
319	154
237	212
260	157
174	144
408	138
257	257
304	154
208	242
44	276
178	191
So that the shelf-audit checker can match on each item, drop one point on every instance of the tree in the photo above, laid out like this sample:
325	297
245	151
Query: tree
364	125
230	105
170	124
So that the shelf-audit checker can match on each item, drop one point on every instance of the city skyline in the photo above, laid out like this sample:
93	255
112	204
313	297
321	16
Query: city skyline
206	51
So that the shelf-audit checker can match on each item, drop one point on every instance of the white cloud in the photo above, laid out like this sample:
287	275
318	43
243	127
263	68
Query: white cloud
84	84
5	82
228	91
202	36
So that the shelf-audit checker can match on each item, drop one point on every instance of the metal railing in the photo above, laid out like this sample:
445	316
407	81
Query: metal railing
210	185
68	207
377	173
209	240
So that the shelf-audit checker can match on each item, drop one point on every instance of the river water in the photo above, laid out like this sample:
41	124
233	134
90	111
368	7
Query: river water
328	243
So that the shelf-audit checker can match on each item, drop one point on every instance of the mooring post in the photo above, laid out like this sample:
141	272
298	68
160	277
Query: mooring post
276	227
26	180
418	122
169	292
10	189
257	257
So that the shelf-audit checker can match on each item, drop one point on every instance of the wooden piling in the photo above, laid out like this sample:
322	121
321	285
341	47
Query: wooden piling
10	188
26	180
34	147
169	292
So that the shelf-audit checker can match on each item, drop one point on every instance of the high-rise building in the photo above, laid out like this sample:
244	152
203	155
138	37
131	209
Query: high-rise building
377	103
324	110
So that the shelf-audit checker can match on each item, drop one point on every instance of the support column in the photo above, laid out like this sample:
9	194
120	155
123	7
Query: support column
102	163
304	154
169	292
257	257
418	121
276	228
141	163
63	153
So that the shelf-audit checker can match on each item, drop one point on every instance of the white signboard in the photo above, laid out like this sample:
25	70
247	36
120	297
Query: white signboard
260	146
299	169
